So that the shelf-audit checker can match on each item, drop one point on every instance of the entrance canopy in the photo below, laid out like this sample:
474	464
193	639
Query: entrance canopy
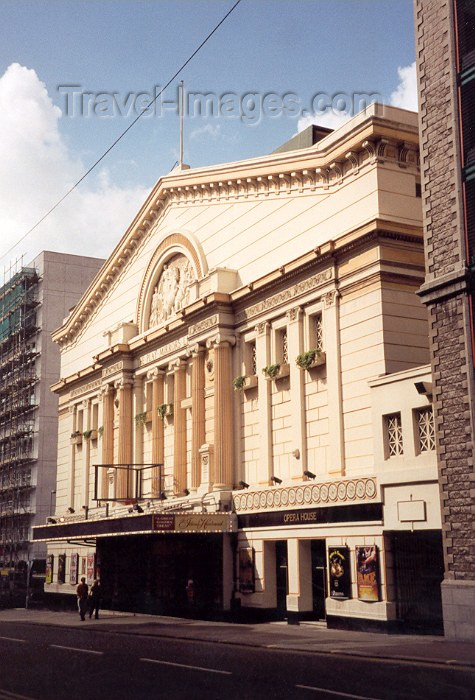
146	524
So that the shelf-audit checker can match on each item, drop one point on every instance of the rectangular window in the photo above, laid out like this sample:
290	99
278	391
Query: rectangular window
317	332
394	442
425	429
250	358
281	346
285	347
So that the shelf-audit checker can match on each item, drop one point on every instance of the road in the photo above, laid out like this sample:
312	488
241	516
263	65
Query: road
42	662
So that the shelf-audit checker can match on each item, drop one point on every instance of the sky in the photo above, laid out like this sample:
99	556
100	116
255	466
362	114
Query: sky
75	74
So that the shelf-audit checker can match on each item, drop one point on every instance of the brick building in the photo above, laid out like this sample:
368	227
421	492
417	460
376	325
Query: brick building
445	31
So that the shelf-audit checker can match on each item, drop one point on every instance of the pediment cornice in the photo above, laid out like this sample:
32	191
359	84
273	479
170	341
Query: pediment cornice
323	167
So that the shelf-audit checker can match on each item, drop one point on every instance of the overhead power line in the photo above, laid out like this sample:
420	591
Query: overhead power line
121	136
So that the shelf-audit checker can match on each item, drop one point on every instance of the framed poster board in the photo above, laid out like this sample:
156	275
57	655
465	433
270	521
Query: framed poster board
91	568
61	568
247	578
339	573
367	573
49	568
73	569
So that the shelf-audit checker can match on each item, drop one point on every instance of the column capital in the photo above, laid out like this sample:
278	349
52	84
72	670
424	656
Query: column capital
154	374
106	389
330	298
196	350
123	382
262	328
177	365
220	339
294	314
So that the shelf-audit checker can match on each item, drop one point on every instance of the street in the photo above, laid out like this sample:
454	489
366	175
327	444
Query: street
43	662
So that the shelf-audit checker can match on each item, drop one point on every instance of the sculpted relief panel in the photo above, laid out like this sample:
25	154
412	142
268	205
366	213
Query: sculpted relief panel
172	291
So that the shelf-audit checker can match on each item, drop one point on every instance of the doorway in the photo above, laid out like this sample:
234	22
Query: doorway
319	578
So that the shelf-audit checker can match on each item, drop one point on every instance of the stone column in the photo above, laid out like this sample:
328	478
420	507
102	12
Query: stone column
299	561
265	413
87	406
72	453
157	431
197	413
179	426
138	427
336	465
223	414
125	454
107	437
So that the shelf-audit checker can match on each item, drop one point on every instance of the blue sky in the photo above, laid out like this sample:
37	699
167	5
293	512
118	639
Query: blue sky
105	46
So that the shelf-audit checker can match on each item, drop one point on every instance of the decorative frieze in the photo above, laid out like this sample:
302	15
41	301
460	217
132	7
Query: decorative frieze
285	295
326	493
113	369
203	325
86	388
157	354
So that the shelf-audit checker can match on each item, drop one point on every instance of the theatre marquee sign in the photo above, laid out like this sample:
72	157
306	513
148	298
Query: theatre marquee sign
145	524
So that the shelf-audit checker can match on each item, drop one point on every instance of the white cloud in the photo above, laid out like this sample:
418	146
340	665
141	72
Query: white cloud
405	95
331	119
37	168
213	130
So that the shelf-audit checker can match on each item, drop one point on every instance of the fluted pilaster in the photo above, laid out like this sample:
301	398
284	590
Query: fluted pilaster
125	453
157	431
197	413
223	416
179	427
107	436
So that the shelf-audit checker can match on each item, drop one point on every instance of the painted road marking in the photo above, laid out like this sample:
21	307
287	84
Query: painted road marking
13	639
84	651
7	695
335	692
193	668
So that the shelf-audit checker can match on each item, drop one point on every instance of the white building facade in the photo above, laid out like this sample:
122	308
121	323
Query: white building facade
240	425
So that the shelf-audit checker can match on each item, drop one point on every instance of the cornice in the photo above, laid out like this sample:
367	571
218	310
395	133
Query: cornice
323	167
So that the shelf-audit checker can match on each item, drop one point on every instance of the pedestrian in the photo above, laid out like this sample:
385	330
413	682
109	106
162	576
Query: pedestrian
81	592
94	599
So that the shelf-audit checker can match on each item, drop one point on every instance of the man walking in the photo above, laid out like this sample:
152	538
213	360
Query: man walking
81	592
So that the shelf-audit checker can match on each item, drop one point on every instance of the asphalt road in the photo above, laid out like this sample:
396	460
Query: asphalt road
55	663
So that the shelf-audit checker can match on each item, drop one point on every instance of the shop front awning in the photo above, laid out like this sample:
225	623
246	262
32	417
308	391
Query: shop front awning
146	524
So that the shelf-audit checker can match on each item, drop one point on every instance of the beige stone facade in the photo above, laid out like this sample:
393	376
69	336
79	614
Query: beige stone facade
232	372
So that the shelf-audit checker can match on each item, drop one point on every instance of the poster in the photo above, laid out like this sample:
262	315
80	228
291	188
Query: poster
246	570
91	568
367	573
340	572
61	568
49	568
73	569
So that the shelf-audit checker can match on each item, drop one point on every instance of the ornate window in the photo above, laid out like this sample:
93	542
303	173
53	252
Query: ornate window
285	346
425	427
253	355
394	442
318	331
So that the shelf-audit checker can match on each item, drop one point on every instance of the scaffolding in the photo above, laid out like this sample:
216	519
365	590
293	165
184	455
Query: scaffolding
18	377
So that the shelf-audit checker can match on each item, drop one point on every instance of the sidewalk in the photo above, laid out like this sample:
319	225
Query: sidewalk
307	637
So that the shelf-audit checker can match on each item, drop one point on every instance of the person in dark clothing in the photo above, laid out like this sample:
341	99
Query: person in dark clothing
94	599
81	592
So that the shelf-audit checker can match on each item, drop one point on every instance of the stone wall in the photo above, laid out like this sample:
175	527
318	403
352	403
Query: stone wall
448	297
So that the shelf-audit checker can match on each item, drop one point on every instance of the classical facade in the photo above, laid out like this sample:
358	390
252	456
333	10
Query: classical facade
245	401
446	70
